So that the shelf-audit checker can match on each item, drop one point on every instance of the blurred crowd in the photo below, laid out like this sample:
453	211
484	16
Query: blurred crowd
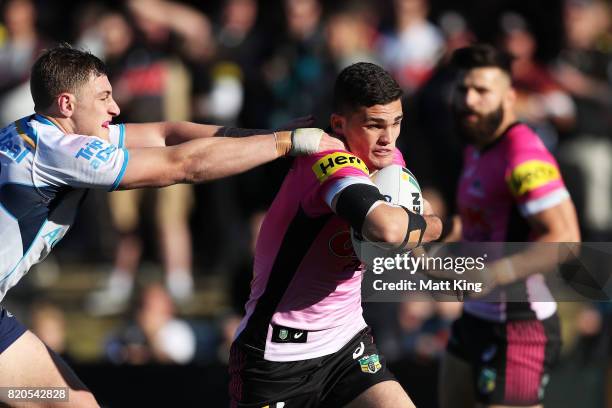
256	64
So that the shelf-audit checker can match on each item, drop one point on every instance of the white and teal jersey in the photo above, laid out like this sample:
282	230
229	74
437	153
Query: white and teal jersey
44	176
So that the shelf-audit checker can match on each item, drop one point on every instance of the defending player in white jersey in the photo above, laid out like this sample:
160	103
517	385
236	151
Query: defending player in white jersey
49	159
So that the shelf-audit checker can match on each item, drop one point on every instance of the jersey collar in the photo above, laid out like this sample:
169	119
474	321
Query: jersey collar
48	121
500	138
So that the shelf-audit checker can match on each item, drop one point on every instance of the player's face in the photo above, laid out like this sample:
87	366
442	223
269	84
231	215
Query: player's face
94	108
371	132
480	102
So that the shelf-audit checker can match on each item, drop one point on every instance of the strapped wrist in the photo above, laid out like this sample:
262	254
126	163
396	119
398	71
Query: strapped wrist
305	141
283	142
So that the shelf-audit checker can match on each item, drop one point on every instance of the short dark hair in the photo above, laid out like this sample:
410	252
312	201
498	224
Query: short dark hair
364	84
61	69
482	56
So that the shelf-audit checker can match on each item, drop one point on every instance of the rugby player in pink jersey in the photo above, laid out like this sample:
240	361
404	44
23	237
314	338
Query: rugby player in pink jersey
303	341
510	190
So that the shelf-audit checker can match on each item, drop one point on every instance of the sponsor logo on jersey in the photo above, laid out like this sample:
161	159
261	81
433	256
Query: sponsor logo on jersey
54	236
370	364
12	147
530	175
96	152
331	163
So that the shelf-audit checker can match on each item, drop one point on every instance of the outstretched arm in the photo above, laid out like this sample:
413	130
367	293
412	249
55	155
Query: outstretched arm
159	134
205	159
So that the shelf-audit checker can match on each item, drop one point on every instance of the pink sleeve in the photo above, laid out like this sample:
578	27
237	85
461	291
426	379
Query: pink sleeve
532	175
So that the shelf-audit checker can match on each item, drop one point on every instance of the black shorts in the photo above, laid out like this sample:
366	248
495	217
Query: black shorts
510	361
329	381
10	329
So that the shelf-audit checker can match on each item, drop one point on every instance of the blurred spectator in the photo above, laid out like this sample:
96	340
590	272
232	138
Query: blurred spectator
156	335
351	34
417	339
584	66
174	27
541	102
431	149
299	69
49	324
228	87
229	325
585	351
149	85
19	46
584	69
89	35
456	32
413	49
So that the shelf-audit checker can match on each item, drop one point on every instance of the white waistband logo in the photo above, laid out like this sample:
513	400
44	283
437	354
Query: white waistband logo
358	351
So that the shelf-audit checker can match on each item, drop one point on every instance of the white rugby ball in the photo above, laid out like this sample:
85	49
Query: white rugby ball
400	187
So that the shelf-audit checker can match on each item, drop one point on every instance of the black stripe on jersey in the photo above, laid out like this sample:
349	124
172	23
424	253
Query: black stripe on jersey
29	218
518	231
298	239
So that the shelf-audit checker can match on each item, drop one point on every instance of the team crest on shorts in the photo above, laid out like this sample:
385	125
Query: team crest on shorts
283	334
370	364
486	380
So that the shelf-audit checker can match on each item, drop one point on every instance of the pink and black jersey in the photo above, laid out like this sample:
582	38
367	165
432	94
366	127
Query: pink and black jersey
305	297
500	186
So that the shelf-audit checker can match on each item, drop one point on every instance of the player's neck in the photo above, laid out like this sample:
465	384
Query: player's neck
508	120
65	124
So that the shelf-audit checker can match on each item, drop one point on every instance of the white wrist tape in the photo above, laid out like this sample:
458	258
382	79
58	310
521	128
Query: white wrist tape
305	141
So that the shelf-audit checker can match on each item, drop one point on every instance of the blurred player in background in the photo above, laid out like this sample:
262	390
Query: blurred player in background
303	341
50	159
510	190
